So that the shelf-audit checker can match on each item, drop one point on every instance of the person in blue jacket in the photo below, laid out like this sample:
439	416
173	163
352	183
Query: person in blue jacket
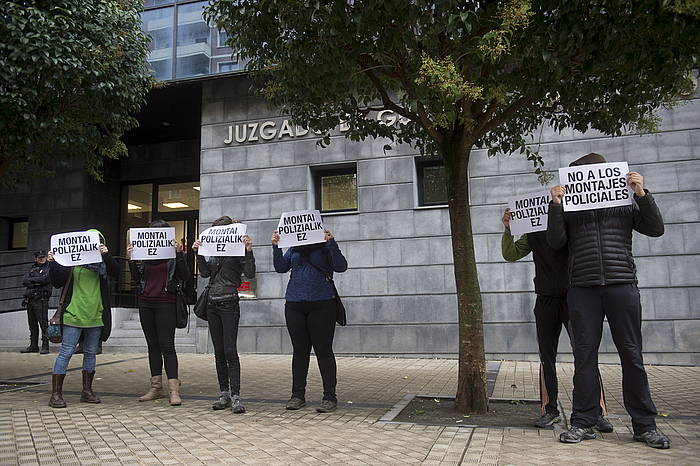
310	312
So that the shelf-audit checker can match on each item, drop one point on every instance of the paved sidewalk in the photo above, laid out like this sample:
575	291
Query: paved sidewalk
121	430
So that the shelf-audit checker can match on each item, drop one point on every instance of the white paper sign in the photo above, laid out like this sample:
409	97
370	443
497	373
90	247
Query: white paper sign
223	240
152	243
595	186
301	227
77	248
528	212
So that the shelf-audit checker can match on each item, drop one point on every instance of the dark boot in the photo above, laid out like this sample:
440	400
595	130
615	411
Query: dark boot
44	346
87	395
57	400
33	348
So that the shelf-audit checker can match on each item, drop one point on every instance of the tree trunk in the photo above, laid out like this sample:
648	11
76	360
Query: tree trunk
471	381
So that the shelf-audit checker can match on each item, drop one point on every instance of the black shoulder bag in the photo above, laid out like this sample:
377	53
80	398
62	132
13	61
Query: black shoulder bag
182	316
200	307
340	316
55	326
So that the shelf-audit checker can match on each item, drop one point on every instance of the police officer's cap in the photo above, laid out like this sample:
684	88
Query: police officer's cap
40	253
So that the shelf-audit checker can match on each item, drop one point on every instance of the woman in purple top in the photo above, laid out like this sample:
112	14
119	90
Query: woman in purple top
156	284
310	313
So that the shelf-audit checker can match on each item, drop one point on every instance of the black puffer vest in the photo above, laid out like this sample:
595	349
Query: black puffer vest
600	240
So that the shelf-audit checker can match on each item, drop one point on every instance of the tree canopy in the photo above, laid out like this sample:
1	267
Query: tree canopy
464	75
72	75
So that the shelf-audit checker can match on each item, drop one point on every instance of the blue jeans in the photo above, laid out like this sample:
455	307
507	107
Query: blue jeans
71	335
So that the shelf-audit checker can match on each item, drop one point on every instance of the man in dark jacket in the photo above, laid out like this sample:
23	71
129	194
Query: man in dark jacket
551	313
38	284
603	283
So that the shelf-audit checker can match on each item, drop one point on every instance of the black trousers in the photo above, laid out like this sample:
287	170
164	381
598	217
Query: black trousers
311	324
158	324
223	320
551	314
37	317
621	305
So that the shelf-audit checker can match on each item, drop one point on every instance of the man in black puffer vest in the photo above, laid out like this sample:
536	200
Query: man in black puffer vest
551	313
603	283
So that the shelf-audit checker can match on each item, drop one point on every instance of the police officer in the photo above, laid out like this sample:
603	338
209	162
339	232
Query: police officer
36	297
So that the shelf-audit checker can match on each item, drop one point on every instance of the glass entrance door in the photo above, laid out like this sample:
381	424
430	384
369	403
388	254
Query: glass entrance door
177	204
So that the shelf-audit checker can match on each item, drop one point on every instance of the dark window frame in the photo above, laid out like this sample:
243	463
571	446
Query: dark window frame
11	232
421	164
320	171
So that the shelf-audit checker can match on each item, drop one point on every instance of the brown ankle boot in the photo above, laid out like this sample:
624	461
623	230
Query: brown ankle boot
156	390
56	400
87	395
174	388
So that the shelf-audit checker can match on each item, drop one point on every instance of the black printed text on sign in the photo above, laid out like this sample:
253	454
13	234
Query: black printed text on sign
223	240
152	243
77	248
301	227
595	186
528	212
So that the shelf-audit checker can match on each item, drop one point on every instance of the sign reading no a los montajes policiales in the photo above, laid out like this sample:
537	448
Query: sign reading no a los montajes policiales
528	212
152	243
77	248
595	186
300	227
223	240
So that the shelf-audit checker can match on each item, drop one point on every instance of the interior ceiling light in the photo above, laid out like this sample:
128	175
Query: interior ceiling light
196	188
174	205
133	207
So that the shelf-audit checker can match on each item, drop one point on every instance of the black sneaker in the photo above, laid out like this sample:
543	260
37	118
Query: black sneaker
236	405
44	348
223	402
295	403
327	406
30	349
654	439
576	434
603	425
547	420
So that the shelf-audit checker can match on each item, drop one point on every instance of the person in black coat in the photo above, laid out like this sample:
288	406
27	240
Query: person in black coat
36	296
603	283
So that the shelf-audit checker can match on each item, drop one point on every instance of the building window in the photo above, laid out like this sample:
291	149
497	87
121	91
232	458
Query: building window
178	197
19	233
193	35
432	182
159	25
223	37
335	188
226	66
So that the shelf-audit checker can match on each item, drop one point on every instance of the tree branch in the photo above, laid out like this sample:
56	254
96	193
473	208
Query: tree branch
503	116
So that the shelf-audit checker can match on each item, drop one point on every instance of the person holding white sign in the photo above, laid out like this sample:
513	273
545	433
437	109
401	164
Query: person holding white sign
551	313
310	313
86	311
603	283
224	314
156	285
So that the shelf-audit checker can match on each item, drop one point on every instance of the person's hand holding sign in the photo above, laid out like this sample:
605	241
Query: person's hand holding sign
49	256
177	245
275	237
196	245
129	248
103	249
248	243
636	182
506	218
327	235
557	193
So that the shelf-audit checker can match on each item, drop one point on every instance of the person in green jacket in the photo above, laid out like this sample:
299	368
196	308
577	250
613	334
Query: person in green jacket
86	312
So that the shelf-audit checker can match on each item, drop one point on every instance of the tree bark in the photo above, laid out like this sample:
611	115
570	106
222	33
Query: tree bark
471	381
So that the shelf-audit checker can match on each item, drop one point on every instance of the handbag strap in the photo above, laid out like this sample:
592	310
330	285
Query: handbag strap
325	274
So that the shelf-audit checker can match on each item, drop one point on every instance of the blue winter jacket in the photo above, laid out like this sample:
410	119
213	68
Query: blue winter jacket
306	283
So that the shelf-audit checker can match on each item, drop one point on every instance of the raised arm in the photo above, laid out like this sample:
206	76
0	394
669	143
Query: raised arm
647	219
249	264
514	250
337	261
281	263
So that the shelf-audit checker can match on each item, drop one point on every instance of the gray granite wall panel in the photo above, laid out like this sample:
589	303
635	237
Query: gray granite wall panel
400	287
